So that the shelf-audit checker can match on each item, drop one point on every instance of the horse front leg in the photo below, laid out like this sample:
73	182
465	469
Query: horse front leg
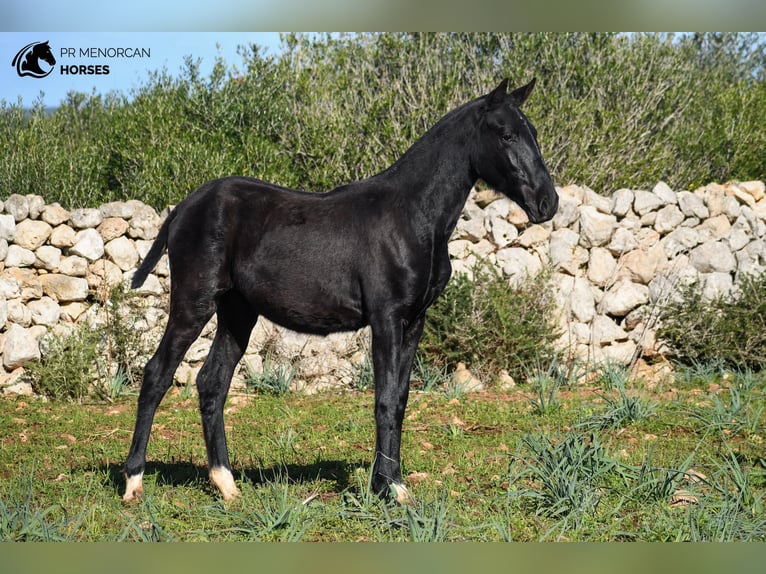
393	352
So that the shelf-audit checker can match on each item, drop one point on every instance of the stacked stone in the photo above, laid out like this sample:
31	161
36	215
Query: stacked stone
52	260
615	260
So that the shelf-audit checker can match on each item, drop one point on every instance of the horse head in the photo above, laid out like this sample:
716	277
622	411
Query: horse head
508	157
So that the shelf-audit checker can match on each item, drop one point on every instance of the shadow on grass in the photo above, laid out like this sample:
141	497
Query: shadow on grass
190	474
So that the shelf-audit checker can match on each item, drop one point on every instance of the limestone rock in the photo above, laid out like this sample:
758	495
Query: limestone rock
680	240
117	209
666	195
17	256
715	228
63	237
48	257
623	241
145	223
518	263
716	285
54	215
601	267
621	353
502	232
622	201
88	244
595	228
18	206
7	227
45	311
73	266
646	201
601	203
533	235
112	228
713	256
567	213
103	273
20	348
692	205
63	288
757	189
19	313
122	252
668	219
605	331
582	302
85	218
470	229
31	234
565	252
623	297
465	380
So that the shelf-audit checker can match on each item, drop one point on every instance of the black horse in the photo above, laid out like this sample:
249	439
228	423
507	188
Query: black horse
27	60
373	252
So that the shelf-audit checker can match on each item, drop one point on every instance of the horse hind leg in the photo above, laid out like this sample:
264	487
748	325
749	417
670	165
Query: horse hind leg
235	322
184	325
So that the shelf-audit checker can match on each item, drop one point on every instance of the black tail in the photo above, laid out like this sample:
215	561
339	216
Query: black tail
155	252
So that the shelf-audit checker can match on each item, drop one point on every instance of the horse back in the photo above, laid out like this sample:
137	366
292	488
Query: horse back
314	262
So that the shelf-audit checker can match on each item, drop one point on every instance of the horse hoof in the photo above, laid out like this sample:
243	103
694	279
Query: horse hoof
402	494
223	480
133	487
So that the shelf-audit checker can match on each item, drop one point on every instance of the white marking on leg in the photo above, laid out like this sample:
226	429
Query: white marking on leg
133	487
402	493
223	480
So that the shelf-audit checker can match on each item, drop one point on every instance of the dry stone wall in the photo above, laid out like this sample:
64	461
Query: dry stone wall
613	260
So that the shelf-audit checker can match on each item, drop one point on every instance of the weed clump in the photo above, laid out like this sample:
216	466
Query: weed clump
491	325
104	359
728	330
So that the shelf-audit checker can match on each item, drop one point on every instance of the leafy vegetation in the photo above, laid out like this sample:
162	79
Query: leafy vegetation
612	110
486	323
95	358
729	330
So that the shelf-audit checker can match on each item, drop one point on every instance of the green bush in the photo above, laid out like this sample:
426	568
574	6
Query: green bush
728	330
69	365
103	361
612	110
491	325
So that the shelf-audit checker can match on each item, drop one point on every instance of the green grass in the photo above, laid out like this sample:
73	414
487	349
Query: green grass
483	466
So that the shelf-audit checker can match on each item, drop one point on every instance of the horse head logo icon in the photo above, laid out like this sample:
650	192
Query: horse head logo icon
28	60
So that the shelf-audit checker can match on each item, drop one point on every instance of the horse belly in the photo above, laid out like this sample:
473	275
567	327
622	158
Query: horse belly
299	296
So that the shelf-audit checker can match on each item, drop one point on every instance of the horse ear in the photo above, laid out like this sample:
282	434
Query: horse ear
497	96
521	94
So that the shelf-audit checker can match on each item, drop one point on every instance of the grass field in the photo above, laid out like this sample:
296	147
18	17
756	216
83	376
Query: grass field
617	460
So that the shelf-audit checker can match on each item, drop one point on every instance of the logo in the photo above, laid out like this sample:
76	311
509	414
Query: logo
29	60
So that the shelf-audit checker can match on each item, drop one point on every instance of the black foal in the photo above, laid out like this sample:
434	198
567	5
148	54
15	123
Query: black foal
373	252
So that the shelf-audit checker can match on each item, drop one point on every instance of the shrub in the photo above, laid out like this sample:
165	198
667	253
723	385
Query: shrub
491	325
275	378
729	330
612	110
126	344
104	360
68	367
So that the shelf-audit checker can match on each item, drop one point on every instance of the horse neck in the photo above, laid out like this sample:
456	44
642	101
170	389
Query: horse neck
435	176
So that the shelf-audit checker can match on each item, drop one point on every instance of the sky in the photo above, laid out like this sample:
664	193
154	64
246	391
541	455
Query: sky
165	50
